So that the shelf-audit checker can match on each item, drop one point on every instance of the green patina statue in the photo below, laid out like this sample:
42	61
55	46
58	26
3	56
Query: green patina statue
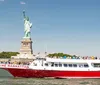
27	26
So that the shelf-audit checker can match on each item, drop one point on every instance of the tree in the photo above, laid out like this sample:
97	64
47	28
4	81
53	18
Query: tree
58	55
8	54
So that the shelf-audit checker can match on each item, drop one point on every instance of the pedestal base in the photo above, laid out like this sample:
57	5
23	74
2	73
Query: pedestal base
23	56
26	51
26	46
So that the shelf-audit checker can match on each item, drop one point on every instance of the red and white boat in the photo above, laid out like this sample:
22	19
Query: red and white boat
56	67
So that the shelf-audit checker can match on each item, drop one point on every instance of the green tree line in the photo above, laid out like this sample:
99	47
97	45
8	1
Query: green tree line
58	55
8	54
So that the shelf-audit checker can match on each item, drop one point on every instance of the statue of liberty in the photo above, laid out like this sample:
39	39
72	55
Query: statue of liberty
27	26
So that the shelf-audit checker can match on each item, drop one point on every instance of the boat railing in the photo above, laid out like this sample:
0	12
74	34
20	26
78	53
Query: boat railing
80	57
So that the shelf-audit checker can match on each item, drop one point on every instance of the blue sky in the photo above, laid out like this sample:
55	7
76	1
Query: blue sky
68	26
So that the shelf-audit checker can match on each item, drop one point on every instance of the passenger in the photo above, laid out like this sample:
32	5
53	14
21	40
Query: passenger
83	57
92	57
89	58
96	58
19	63
78	57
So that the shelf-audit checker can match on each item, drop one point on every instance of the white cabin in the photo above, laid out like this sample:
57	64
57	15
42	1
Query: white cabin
65	64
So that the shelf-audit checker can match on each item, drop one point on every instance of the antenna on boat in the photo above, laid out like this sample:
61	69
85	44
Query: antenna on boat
45	50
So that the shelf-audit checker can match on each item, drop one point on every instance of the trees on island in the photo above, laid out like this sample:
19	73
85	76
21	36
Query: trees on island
60	55
57	55
8	54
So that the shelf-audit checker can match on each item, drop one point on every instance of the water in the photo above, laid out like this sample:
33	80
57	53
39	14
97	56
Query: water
4	73
34	81
7	79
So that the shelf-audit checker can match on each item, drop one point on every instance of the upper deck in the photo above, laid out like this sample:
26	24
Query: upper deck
66	64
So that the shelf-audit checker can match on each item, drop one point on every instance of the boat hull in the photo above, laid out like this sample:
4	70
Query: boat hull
33	73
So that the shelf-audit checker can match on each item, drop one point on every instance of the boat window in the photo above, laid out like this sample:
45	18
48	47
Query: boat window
96	65
56	65
35	64
52	64
74	65
86	65
70	65
60	65
46	64
65	65
80	65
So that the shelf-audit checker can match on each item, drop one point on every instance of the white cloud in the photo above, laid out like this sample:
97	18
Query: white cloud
1	0
21	2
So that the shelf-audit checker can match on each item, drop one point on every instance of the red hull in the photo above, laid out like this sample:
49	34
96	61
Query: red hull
29	73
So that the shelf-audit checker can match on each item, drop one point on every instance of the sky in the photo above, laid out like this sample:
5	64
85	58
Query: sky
68	26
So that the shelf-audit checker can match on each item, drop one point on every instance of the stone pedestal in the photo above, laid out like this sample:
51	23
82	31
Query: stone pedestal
26	46
26	51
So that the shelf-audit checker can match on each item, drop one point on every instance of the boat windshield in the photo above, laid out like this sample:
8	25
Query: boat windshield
95	64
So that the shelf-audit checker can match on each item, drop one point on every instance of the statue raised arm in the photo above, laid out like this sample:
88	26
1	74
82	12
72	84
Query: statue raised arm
27	26
24	14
